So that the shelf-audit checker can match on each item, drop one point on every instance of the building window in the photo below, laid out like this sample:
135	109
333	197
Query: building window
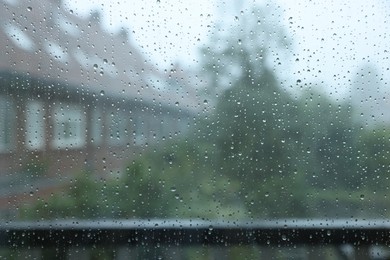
7	124
139	126
35	125
117	124
96	127
69	127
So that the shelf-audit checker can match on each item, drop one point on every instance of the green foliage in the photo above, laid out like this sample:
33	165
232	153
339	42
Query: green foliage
254	145
178	181
373	148
83	199
327	140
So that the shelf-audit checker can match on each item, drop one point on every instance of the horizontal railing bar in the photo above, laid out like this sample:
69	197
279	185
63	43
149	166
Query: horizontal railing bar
69	233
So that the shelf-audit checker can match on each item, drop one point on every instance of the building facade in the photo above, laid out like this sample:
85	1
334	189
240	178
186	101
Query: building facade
74	97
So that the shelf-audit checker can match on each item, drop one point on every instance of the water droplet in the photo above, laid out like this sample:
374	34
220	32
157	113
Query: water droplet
29	8
239	42
173	189
95	66
362	197
177	103
102	93
205	102
266	194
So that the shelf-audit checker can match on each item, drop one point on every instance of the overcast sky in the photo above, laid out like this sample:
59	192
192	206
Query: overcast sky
332	39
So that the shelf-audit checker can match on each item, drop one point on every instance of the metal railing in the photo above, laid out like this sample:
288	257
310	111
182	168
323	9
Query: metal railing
362	235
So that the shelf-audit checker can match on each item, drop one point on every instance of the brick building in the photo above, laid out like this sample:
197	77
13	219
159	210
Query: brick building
75	97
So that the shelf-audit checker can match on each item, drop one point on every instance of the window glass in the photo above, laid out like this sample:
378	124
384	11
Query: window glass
7	124
35	125
198	110
69	127
139	130
96	126
118	127
264	103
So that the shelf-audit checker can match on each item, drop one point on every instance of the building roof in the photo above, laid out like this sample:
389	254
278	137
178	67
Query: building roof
43	40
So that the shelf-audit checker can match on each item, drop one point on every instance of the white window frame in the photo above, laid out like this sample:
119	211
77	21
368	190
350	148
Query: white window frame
139	126
117	127
96	126
35	125
69	127
7	124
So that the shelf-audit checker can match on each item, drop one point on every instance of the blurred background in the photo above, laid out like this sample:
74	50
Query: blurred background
237	110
